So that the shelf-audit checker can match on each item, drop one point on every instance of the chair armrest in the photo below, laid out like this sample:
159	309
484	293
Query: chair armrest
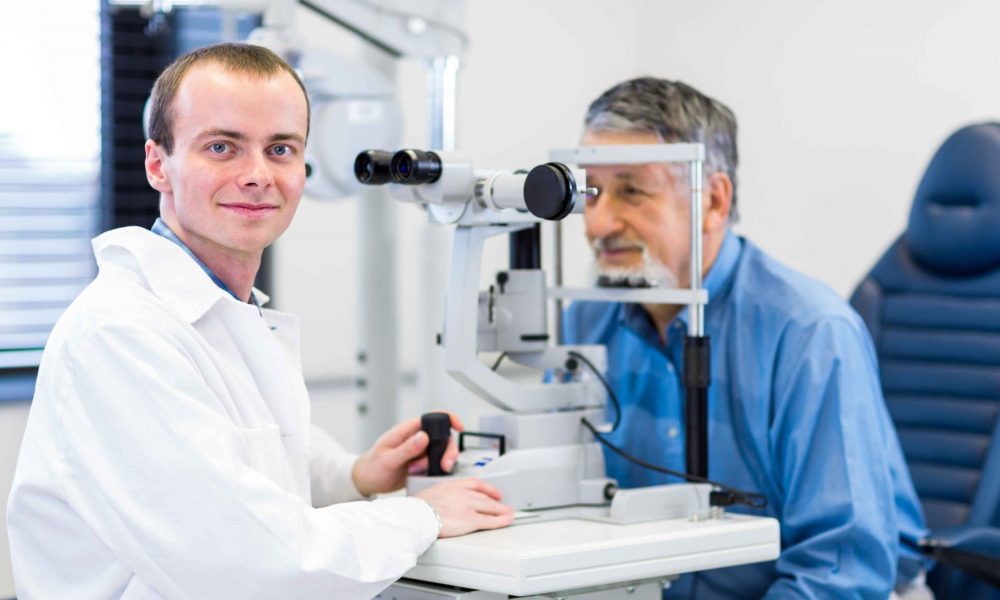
975	550
981	540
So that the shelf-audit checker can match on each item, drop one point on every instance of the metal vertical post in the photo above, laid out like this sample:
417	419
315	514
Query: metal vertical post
437	390
444	98
558	278
378	323
696	310
697	369
378	363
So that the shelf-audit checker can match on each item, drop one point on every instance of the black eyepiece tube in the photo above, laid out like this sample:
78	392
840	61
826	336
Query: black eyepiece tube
414	167
371	167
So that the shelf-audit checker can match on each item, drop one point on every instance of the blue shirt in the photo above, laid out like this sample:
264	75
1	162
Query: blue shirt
160	228
795	413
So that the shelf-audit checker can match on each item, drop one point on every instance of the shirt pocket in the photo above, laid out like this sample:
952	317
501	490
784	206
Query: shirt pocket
265	453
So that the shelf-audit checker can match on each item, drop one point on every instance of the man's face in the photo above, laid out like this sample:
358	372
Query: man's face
237	171
638	223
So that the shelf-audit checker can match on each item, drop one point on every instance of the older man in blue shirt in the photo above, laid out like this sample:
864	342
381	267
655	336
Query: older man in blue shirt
795	407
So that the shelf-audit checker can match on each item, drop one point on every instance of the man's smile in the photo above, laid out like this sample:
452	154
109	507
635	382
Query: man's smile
250	209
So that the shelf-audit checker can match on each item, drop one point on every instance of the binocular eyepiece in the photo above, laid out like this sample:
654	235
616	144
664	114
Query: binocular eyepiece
409	167
548	191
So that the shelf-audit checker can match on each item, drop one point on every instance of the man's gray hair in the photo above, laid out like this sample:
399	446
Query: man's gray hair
676	113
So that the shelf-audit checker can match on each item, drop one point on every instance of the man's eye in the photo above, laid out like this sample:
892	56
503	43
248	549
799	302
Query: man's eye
632	196
281	150
219	147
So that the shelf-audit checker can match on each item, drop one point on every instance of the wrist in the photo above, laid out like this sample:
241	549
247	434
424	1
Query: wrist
437	516
358	480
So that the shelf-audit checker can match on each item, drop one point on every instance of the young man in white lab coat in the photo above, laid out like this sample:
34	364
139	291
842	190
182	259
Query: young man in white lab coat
168	453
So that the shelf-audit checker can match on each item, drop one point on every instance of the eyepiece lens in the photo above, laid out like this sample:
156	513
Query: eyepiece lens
414	167
372	167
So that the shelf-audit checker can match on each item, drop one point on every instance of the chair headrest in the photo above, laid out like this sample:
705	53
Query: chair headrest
954	224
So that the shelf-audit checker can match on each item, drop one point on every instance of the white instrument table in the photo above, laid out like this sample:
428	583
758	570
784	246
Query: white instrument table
574	553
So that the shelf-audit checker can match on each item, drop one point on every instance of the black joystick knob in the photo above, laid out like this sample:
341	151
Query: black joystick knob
437	425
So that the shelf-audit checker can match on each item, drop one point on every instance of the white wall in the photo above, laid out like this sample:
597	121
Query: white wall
840	104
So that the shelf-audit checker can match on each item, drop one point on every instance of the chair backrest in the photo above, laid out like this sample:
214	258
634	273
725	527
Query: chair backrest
932	304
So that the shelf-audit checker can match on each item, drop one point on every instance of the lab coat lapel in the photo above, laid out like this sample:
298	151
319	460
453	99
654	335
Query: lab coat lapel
269	349
260	350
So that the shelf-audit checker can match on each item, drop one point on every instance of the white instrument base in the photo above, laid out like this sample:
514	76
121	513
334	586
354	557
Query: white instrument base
575	553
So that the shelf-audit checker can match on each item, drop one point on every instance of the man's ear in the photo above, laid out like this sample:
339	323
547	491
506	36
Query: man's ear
719	190
156	173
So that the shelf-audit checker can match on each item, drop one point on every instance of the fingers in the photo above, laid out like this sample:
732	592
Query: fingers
399	433
405	442
419	465
405	429
410	449
482	487
456	423
488	506
495	522
450	456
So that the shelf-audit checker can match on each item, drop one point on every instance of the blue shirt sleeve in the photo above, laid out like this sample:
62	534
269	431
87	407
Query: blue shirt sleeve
829	450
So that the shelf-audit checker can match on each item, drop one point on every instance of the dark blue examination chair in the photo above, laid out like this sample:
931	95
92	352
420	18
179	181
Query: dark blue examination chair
932	304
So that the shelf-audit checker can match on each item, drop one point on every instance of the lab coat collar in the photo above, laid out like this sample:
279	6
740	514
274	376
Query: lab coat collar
170	273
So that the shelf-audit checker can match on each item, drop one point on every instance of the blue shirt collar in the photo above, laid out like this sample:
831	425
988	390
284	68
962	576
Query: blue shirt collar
718	282
160	228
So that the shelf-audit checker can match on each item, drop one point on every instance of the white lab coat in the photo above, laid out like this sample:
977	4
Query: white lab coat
169	453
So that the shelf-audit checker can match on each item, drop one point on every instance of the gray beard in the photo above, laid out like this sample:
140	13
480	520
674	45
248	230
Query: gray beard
651	274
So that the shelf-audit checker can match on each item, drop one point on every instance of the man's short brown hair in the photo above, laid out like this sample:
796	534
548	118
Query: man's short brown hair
239	58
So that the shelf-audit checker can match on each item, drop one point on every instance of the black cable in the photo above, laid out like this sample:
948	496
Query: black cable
607	386
463	38
912	544
978	564
390	50
499	360
732	494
